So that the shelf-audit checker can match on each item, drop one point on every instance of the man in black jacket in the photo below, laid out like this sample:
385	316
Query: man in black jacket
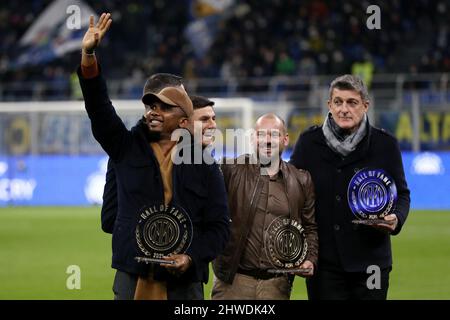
154	84
354	260
203	114
146	175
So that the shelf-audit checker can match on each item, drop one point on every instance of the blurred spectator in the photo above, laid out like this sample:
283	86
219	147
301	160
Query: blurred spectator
285	65
364	69
255	39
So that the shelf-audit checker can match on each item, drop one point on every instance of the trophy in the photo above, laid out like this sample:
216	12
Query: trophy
162	230
286	246
371	195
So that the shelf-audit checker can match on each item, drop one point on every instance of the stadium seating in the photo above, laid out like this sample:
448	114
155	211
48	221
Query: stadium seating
252	39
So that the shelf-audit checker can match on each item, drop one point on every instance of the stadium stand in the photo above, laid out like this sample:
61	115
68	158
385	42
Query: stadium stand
252	39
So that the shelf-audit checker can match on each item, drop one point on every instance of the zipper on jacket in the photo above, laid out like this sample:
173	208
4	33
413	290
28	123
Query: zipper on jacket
254	191
250	212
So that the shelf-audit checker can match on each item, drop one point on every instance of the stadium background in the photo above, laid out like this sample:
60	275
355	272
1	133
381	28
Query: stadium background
251	55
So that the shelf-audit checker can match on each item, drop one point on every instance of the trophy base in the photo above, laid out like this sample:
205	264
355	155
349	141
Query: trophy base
154	260
371	222
296	270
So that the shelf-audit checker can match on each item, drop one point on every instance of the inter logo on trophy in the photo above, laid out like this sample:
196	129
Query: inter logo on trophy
371	195
162	230
286	246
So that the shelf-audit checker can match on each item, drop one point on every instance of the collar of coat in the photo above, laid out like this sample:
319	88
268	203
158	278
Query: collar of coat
250	159
340	161
142	128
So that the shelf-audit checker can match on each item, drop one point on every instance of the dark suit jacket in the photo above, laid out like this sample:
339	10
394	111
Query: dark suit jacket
343	245
198	188
109	205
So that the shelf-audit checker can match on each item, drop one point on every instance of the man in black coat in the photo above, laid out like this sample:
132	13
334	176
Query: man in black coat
154	84
203	114
354	260
146	175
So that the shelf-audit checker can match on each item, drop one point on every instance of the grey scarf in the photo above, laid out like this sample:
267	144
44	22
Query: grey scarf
338	140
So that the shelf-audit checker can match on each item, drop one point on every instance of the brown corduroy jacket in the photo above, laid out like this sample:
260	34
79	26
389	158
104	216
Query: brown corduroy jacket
241	181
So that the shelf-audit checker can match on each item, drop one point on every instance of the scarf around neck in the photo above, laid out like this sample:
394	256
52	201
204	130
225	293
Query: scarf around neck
340	141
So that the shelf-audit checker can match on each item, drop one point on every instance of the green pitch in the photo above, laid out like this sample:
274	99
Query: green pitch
38	244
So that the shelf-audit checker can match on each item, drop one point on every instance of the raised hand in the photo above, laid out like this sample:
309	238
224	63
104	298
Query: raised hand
95	34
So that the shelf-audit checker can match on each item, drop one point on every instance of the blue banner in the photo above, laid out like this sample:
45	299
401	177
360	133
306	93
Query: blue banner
52	180
79	181
428	178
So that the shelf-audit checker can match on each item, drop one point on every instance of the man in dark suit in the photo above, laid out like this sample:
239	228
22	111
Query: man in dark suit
333	153
203	114
154	84
146	175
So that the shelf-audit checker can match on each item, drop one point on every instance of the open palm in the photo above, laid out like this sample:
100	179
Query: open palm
96	33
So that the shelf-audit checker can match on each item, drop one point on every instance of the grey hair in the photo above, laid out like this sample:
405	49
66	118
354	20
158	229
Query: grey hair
350	82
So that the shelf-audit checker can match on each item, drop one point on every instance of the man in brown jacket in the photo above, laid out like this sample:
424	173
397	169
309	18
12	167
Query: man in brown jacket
260	190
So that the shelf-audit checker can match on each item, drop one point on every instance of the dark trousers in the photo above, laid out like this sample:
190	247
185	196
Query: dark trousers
125	285
341	285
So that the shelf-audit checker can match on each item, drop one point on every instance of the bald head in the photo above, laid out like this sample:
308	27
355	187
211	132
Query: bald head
274	120
271	136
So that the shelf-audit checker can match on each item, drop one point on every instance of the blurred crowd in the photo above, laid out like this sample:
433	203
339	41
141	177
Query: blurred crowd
254	38
437	57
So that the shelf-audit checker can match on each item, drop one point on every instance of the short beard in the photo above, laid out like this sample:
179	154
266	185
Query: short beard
266	161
